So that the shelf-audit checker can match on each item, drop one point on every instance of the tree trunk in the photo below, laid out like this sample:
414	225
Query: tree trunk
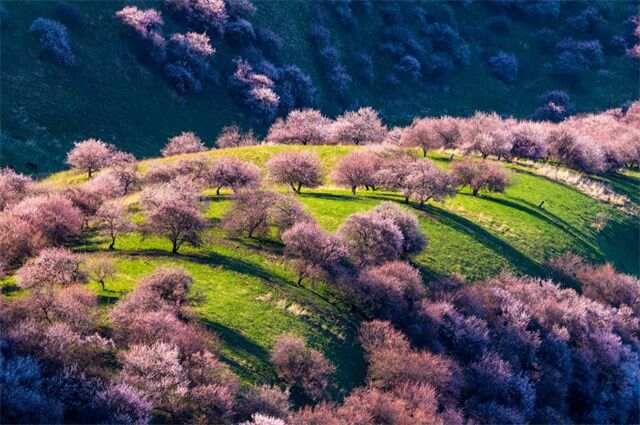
353	190
112	244
299	188
90	172
102	284
406	199
424	152
293	187
300	277
174	248
218	191
475	192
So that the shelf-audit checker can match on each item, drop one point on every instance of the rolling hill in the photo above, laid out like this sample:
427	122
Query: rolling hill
245	289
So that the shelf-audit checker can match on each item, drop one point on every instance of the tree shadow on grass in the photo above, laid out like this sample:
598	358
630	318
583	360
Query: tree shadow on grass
211	259
255	359
520	261
543	215
620	243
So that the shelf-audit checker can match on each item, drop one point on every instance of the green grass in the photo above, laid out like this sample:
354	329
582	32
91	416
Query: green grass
112	95
245	291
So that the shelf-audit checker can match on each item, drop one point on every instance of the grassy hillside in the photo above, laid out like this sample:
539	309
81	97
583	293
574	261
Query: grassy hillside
246	292
111	94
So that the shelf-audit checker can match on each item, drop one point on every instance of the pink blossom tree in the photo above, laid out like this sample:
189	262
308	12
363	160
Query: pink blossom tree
358	127
185	142
112	220
425	181
306	127
100	268
53	218
413	240
421	133
371	239
156	372
13	187
169	284
124	169
90	155
122	403
357	169
316	252
296	169
232	173
389	291
480	175
232	137
256	212
301	367
53	266
174	213
257	91
16	243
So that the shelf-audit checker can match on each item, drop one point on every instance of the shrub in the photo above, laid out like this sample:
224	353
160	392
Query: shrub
307	126
269	41
295	88
480	175
185	142
191	51
409	67
90	155
556	106
182	78
301	367
240	32
257	91
206	15
233	173
54	40
146	25
295	169
504	66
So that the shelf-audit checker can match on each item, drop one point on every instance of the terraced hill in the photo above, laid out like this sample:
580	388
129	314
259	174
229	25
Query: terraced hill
245	290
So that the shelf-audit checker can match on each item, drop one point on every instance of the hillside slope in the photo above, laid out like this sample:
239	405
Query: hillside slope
112	94
245	290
